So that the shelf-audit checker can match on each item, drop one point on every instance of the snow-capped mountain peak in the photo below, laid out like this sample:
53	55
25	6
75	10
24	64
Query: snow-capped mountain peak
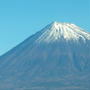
48	60
62	31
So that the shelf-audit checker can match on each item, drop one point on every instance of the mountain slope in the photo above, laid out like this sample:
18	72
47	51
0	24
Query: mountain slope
55	58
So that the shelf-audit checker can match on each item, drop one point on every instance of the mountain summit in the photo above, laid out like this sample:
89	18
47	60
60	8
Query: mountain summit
63	31
55	58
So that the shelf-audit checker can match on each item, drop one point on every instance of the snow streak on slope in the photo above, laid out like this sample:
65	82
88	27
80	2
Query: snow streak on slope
62	31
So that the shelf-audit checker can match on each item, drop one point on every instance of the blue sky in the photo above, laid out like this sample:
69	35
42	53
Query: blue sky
21	18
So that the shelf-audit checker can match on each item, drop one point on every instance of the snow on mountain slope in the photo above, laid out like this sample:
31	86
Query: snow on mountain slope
59	31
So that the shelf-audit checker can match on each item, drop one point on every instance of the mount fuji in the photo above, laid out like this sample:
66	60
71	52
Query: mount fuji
55	58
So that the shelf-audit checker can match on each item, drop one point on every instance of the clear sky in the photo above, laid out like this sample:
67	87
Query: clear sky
21	18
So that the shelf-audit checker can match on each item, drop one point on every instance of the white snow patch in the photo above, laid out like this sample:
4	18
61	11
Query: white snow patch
64	31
